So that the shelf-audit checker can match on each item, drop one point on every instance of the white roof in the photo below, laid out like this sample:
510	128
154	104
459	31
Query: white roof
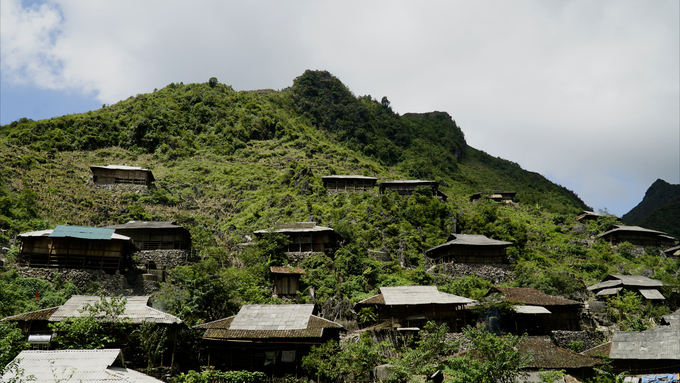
527	309
651	294
272	317
66	366
611	291
136	308
46	233
419	295
119	167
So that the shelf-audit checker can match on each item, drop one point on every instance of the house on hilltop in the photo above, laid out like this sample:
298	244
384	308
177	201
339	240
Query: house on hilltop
495	195
638	236
348	184
306	237
615	284
408	187
535	312
585	216
417	305
121	174
470	248
74	366
76	247
268	338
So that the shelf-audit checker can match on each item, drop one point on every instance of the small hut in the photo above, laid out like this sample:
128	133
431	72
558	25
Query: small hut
416	305
306	237
268	338
348	184
408	187
470	248
121	174
615	284
638	236
585	216
286	279
75	247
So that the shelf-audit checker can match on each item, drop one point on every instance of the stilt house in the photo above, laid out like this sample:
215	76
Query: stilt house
615	284
76	247
638	236
121	174
306	237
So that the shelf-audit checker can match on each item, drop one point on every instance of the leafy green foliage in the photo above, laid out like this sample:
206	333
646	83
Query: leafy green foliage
11	343
427	356
492	359
99	326
209	376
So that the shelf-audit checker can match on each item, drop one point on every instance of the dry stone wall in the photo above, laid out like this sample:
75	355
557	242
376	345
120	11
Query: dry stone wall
85	280
494	273
566	339
164	259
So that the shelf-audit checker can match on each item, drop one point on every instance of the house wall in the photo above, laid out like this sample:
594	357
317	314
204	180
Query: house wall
348	185
303	242
71	253
158	239
418	315
637	238
470	254
286	284
120	176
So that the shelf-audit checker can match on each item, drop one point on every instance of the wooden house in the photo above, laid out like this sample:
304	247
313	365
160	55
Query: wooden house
268	338
535	312
585	216
35	324
638	236
155	235
286	279
306	237
416	305
348	184
76	247
121	174
615	284
549	357
470	248
496	195
408	187
74	366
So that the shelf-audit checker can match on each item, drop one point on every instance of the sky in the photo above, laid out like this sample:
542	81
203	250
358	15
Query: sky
586	93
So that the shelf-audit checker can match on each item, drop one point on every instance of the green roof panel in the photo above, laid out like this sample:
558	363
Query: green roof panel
84	232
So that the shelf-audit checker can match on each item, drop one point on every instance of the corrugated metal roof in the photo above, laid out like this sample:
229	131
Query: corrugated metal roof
286	270
631	229
614	280
529	296
272	317
84	232
41	233
295	227
136	308
520	309
646	345
77	366
419	295
471	240
652	294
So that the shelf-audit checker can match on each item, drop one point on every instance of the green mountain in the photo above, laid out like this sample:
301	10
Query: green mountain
658	210
228	163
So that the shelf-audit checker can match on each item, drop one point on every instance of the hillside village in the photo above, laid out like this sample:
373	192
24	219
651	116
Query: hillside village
276	262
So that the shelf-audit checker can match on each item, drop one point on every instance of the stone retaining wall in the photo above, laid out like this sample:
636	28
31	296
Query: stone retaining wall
164	259
494	273
590	339
84	280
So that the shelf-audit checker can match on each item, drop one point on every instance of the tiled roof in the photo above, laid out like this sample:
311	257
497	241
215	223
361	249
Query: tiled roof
71	366
415	295
43	314
529	296
227	328
136	308
548	356
647	345
272	317
603	349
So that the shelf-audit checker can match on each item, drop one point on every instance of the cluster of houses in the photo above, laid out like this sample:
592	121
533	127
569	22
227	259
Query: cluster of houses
274	338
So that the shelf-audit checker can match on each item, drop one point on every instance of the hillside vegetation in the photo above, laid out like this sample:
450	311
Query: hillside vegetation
228	163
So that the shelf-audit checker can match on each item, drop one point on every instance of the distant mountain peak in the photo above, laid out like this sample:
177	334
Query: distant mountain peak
658	210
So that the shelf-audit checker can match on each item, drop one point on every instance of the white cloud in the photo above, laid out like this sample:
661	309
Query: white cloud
585	92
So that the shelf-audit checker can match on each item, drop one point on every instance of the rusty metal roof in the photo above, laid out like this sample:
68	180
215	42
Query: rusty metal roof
71	366
414	295
548	355
529	296
286	270
43	314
